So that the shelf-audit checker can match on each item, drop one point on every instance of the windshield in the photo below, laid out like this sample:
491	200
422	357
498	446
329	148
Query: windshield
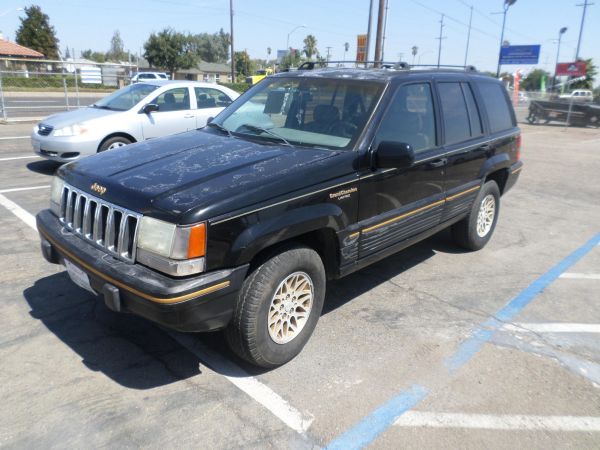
125	98
315	112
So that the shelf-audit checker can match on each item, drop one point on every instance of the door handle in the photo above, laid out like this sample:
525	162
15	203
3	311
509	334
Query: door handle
438	163
189	116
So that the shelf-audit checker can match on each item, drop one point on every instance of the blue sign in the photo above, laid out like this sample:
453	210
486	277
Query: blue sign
520	54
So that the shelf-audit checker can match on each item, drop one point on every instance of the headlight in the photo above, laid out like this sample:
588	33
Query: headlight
71	130
172	249
56	194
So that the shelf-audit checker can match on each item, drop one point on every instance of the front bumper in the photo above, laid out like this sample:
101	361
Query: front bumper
202	303
64	149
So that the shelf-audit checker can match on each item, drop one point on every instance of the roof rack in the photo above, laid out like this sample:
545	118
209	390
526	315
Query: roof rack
397	65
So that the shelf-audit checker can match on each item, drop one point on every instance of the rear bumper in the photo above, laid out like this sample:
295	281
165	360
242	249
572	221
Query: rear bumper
513	175
202	303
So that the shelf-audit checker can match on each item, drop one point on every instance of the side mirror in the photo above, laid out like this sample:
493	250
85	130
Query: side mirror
396	155
210	119
149	108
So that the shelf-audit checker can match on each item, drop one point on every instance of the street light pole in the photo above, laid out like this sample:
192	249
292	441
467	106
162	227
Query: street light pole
507	4
231	41
440	39
287	44
469	36
560	33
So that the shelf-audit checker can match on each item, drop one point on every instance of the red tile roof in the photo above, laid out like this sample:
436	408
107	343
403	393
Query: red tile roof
8	48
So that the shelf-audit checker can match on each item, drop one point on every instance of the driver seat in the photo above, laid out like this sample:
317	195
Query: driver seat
324	117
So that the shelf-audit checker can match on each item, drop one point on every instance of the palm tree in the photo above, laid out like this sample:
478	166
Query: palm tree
310	46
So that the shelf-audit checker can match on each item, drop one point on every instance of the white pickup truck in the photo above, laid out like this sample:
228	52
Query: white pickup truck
579	95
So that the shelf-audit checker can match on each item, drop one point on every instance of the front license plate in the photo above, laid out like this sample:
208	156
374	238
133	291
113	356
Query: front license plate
78	276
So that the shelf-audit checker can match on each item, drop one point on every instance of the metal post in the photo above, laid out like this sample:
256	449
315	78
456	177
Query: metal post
66	93
440	38
585	4
469	36
231	30
2	106
369	32
501	42
379	36
384	30
560	33
76	80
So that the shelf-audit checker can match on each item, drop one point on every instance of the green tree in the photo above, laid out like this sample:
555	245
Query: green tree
533	81
117	48
171	50
292	59
310	46
93	56
244	66
36	32
590	76
211	47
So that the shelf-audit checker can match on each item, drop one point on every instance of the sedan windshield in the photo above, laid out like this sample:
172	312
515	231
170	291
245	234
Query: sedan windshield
125	98
307	111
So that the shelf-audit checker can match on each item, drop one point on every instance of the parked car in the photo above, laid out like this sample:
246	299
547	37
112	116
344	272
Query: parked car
309	176
579	95
137	112
149	76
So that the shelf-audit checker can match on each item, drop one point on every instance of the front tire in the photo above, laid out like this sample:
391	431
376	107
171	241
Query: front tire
114	142
278	308
475	231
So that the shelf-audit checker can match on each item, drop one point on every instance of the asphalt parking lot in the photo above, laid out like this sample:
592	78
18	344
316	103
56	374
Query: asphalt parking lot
430	348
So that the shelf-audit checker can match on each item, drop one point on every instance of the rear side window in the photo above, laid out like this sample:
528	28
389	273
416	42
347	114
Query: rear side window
496	104
457	127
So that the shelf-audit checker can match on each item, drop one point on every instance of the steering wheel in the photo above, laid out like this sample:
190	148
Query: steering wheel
342	128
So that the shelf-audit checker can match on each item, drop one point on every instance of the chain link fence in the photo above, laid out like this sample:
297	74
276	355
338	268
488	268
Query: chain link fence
32	90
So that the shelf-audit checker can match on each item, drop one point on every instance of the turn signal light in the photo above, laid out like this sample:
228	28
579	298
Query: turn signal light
519	143
197	241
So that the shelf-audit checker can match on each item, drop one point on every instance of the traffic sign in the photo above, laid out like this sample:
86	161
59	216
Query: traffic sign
571	69
520	54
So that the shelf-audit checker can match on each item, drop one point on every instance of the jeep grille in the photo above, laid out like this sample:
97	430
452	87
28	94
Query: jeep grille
107	226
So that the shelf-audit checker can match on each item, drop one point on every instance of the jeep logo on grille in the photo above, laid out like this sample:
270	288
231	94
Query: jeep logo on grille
97	188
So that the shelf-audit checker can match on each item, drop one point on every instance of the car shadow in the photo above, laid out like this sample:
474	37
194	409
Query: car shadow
44	167
138	354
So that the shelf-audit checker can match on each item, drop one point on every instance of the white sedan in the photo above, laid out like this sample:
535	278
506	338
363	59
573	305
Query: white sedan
136	112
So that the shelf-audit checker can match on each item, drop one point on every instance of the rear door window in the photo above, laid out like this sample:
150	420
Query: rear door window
495	101
457	126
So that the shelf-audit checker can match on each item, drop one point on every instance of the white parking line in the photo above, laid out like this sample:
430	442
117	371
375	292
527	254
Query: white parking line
18	211
581	276
8	138
260	392
553	327
29	188
245	382
19	157
498	422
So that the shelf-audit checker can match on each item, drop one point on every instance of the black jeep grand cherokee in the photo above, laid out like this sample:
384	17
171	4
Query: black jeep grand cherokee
308	176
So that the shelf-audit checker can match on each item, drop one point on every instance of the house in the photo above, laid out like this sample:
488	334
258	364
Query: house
205	71
12	50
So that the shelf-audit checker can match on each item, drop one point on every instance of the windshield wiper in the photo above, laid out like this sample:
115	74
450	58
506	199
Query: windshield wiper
219	127
269	132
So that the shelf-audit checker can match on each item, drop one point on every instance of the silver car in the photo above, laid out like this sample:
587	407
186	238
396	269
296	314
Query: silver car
136	112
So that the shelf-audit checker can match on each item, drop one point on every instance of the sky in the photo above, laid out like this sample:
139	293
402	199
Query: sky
259	24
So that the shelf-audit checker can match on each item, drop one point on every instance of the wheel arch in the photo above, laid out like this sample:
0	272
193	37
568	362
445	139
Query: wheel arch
117	134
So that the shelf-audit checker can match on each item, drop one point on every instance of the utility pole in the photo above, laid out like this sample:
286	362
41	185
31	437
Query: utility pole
562	31
440	39
469	36
328	50
231	31
384	30
369	32
507	4
585	4
379	37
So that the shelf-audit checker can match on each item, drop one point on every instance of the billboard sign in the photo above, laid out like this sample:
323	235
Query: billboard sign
571	69
520	54
361	47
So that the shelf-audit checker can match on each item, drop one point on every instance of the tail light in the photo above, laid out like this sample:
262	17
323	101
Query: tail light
519	142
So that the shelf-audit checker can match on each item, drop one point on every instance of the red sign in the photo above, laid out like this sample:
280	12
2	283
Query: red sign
361	47
572	69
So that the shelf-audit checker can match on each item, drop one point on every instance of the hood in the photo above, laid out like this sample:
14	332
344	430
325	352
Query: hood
202	174
76	116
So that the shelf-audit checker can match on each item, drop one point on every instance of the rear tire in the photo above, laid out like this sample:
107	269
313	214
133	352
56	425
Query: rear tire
114	142
475	231
278	308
